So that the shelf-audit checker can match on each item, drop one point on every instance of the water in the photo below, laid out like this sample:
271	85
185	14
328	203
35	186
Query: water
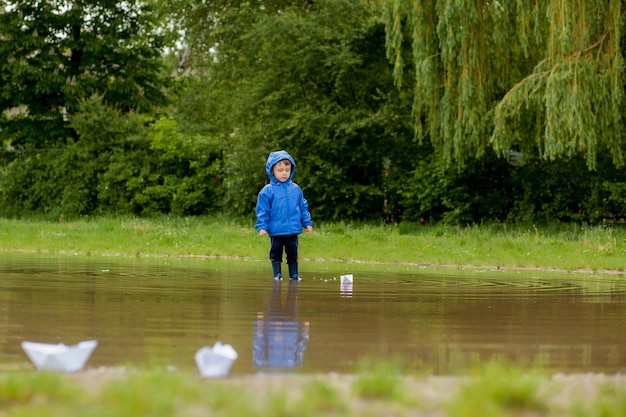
159	312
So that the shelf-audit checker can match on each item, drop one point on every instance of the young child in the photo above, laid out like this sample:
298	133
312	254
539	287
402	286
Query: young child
282	212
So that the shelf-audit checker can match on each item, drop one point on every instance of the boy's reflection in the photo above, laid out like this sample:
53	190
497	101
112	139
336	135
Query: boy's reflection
279	339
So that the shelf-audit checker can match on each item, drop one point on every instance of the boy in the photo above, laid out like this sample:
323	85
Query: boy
282	212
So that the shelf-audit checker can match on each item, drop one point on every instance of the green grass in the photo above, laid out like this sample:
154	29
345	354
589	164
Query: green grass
493	391
499	390
563	247
379	379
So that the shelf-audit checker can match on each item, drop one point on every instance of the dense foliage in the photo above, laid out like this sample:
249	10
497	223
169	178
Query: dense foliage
394	111
116	167
544	75
55	53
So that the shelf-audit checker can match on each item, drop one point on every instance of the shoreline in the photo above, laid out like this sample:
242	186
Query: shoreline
612	272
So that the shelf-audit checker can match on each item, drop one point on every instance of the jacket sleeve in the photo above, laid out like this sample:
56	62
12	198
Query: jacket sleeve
263	209
304	209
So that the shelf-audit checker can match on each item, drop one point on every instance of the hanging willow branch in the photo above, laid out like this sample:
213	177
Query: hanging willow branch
544	77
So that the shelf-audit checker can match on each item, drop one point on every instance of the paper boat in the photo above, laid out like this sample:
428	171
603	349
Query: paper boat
346	279
345	286
215	361
59	357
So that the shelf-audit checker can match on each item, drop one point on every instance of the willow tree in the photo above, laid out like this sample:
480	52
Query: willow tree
544	77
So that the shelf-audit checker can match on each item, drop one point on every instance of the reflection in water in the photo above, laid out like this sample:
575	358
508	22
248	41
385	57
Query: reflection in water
159	312
279	339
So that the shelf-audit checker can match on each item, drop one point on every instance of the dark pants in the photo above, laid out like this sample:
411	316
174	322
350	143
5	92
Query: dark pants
289	243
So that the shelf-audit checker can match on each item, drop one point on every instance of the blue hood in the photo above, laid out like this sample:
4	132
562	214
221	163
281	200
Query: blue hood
277	157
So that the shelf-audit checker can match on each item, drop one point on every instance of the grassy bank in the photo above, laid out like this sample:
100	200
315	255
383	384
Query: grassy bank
564	247
375	391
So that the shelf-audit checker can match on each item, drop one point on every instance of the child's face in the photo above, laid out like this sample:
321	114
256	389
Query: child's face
282	170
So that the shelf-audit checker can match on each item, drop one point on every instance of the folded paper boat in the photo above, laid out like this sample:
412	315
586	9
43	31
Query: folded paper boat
345	288
216	361
59	357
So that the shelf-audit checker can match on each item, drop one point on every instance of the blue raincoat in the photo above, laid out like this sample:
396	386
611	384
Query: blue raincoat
281	208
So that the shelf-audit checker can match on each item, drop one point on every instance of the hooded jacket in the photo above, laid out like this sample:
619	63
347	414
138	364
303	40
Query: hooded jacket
281	208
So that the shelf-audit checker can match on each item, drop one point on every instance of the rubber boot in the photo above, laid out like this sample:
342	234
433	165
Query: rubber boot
278	276
293	272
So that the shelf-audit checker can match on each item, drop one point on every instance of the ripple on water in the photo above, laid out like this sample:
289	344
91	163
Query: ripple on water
159	312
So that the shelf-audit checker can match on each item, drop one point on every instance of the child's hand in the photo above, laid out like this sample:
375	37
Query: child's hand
262	232
309	229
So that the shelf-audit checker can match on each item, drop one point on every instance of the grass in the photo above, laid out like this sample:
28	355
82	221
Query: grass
379	379
496	390
562	247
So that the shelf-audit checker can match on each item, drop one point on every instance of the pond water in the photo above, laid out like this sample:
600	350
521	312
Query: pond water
159	312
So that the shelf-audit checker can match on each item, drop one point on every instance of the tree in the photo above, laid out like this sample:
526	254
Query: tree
119	166
316	83
54	53
542	77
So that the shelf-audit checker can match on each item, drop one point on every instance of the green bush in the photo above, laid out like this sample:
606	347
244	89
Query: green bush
119	165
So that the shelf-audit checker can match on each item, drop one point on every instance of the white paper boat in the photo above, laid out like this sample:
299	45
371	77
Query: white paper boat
345	286
215	361
346	279
59	357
